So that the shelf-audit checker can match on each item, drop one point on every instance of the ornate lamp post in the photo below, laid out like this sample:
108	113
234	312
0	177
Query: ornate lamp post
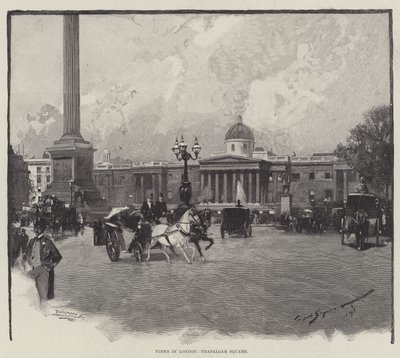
181	153
71	186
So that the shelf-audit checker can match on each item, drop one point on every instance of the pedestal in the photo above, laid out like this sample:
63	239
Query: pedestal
72	173
286	203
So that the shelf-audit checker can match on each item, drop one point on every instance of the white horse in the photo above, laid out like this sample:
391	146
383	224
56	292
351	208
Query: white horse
178	236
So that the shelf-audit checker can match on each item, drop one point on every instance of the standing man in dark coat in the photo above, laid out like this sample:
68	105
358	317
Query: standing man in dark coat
148	209
160	208
42	256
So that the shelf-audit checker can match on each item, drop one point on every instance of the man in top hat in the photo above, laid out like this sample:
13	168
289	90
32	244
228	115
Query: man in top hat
160	208
148	209
42	256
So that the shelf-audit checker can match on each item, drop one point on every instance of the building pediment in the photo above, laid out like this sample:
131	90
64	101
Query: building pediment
235	159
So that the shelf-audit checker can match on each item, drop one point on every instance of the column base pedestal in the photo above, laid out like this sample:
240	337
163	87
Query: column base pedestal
286	203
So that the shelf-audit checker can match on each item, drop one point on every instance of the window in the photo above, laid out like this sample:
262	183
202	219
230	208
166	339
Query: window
328	194
232	147
328	175
270	177
244	148
48	178
47	169
312	176
169	175
169	195
295	176
100	180
39	179
38	169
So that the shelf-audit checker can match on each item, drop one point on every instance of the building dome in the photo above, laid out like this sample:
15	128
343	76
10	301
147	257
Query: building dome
239	131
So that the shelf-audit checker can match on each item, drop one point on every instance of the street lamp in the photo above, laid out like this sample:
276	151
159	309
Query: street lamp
181	153
130	199
71	186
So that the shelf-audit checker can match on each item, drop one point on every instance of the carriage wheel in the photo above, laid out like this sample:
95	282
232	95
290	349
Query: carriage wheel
245	230
342	231
378	227
250	230
299	227
112	246
222	230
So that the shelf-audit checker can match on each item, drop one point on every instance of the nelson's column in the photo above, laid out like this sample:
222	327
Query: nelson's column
71	155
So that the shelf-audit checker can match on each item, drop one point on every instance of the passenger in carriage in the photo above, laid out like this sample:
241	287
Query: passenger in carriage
160	208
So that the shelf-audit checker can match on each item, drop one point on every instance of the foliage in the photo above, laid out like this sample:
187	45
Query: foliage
369	148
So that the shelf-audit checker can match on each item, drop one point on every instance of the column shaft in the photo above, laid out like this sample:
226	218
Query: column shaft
250	199
257	187
225	189
216	187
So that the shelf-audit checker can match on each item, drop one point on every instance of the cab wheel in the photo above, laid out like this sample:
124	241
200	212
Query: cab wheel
112	246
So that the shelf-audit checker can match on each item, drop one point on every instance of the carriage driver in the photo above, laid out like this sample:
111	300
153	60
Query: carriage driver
148	209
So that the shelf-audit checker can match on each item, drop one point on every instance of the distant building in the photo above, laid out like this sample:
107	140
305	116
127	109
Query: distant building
18	181
318	176
40	175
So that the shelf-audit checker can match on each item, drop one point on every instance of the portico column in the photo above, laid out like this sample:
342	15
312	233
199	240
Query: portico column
344	184
201	181
257	187
250	187
142	187
209	180
153	183
225	189
334	185
233	187
216	187
160	188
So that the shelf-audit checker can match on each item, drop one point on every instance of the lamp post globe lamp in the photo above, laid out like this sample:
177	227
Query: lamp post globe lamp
181	153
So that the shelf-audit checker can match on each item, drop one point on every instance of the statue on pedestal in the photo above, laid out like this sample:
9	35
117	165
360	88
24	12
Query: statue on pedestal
361	187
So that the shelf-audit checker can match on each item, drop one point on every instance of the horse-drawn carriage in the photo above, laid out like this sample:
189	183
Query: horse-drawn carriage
362	217
60	219
236	220
123	225
311	220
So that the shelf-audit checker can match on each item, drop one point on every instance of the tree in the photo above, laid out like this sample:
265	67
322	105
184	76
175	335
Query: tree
369	148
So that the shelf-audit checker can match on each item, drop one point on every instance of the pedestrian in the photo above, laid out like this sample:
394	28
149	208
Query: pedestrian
148	209
19	241
42	257
160	208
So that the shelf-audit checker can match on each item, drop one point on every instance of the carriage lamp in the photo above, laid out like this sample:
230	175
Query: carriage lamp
261	212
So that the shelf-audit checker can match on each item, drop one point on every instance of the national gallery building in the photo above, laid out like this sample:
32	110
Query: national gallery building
214	180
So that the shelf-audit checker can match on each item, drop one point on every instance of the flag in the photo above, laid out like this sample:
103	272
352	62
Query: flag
240	195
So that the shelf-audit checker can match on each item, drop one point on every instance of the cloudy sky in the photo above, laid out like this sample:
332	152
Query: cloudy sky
301	81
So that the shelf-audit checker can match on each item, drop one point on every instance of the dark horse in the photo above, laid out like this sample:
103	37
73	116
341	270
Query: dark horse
356	224
199	230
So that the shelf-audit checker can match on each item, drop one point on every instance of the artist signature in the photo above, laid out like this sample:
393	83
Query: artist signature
312	317
69	315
